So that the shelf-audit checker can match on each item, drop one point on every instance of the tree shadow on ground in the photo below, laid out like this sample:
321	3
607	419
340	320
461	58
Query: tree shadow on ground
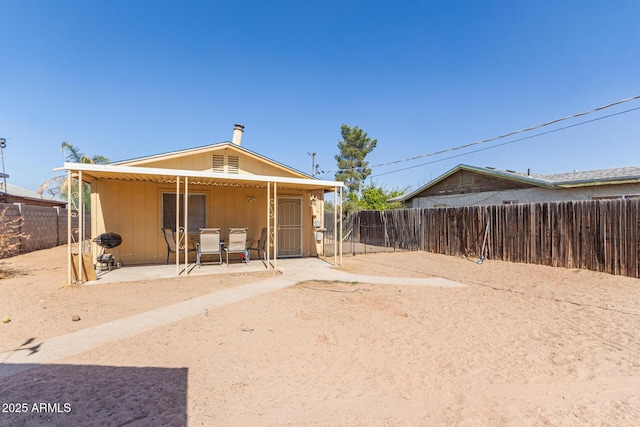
7	272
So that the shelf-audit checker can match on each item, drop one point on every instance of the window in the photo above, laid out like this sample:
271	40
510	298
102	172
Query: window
197	211
509	202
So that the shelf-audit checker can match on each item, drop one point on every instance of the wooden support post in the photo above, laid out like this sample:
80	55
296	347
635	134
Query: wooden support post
69	228
177	233
186	226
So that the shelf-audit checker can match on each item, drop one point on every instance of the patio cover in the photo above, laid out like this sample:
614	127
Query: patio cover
87	172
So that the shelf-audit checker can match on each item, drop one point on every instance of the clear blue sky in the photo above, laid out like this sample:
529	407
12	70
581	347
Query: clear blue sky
127	79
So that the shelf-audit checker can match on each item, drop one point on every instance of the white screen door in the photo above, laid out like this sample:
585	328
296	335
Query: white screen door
289	226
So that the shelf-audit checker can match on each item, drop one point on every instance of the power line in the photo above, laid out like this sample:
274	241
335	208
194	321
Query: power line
506	135
506	143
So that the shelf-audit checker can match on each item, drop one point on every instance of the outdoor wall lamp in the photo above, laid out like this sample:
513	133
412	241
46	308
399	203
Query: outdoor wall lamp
250	199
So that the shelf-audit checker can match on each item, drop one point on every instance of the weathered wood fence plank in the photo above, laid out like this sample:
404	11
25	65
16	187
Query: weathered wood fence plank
601	235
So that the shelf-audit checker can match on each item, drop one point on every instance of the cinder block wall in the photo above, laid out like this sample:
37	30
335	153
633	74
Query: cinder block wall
38	223
46	226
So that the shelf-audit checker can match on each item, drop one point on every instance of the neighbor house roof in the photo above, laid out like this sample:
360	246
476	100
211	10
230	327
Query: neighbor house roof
20	194
19	191
623	175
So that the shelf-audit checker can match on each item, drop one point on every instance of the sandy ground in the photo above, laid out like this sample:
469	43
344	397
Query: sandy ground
521	345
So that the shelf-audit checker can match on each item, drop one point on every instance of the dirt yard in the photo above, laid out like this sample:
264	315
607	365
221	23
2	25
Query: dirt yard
521	345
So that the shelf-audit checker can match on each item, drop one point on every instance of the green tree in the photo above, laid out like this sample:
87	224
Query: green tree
58	185
375	197
352	168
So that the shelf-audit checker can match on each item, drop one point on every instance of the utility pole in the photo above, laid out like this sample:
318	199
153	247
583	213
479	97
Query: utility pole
3	144
313	162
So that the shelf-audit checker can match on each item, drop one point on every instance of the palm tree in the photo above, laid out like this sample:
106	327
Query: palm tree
75	156
58	184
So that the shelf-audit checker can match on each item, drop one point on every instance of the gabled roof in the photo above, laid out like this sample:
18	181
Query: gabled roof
142	170
206	149
622	175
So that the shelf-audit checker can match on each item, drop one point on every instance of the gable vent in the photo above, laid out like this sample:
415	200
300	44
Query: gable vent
233	164
466	179
218	163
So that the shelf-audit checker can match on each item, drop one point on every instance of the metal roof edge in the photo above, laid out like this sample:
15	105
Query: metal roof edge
111	168
601	181
168	153
404	198
514	176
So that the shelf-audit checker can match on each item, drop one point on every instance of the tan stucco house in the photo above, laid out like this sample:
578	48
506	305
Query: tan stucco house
222	186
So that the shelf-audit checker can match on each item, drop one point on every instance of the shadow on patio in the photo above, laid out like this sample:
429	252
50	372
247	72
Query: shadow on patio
162	271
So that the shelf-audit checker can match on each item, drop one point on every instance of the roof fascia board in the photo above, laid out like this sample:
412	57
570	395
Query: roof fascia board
37	199
268	160
137	170
427	185
509	176
170	155
595	182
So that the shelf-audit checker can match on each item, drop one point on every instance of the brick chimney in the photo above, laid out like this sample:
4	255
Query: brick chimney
238	130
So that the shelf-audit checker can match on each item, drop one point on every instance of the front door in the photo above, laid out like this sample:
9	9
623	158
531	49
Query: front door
289	226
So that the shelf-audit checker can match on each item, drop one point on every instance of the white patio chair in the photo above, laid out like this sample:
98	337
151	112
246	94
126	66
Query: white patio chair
237	244
209	244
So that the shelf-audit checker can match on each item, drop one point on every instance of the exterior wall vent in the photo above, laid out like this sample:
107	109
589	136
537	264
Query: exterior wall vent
233	163
466	179
218	163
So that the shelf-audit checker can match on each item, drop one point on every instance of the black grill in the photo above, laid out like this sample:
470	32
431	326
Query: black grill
108	240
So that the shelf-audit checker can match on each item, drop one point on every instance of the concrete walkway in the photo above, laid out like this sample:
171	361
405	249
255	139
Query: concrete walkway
80	341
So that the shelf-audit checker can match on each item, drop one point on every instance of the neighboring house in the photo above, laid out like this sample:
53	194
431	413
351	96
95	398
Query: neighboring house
227	186
467	185
15	194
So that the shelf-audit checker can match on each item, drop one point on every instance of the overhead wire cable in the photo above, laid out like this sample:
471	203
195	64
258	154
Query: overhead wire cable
506	135
505	143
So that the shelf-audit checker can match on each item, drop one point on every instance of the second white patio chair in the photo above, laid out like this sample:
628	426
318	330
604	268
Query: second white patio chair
237	244
209	244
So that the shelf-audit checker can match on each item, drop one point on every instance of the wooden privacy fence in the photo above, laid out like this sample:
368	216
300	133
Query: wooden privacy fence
602	235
